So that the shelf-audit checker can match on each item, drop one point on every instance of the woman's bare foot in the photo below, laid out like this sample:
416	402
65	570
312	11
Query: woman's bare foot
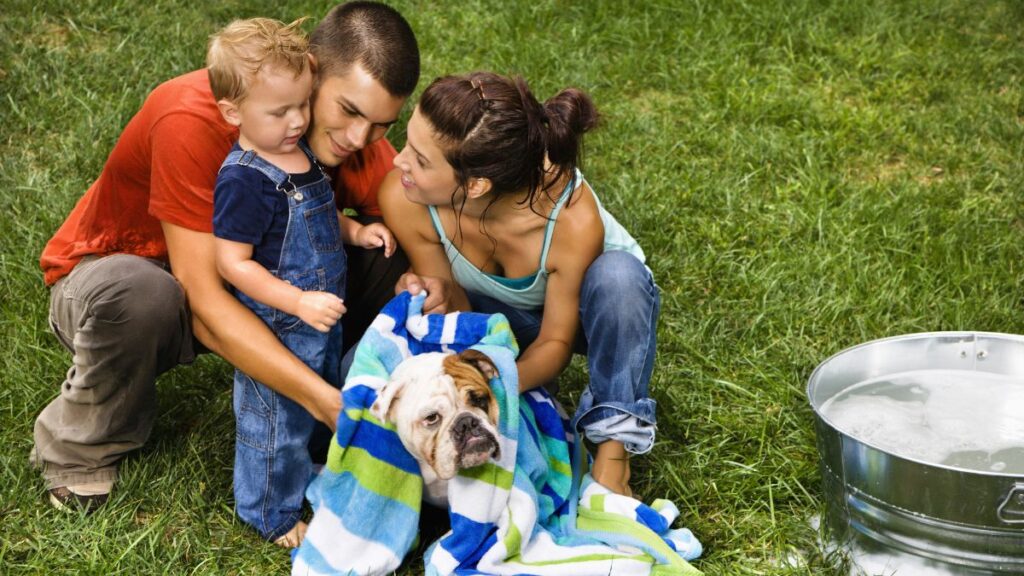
293	537
611	467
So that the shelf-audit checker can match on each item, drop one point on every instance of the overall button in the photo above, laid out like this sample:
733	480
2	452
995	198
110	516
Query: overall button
298	196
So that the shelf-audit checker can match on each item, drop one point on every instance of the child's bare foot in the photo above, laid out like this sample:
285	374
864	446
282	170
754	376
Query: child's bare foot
611	467
293	537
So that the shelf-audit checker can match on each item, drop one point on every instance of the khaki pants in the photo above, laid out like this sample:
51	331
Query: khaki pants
125	320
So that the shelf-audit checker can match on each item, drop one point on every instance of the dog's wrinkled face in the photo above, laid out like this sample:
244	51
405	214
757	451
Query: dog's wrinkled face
444	410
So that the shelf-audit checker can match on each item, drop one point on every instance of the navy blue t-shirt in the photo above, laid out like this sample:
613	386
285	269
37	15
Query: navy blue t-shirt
248	208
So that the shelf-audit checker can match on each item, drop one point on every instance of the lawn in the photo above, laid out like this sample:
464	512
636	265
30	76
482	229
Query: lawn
804	176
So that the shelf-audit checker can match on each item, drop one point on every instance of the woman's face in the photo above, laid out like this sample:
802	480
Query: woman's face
427	177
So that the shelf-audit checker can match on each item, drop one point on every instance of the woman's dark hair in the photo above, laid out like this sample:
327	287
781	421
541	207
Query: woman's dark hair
491	126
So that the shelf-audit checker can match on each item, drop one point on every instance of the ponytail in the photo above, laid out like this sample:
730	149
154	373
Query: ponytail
570	114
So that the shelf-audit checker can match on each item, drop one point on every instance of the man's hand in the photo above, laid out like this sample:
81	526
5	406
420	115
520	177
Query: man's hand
376	235
321	310
327	408
438	291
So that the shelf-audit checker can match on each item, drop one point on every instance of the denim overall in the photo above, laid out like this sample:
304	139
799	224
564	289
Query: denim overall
272	462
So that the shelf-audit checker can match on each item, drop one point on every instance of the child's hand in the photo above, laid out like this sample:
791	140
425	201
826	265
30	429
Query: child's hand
320	310
374	236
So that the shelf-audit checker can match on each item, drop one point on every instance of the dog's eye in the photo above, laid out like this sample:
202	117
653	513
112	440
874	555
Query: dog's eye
479	401
432	419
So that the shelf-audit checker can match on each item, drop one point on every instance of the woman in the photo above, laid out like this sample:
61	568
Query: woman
487	196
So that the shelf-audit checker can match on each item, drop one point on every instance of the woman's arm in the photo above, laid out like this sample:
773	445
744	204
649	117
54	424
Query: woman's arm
411	225
577	241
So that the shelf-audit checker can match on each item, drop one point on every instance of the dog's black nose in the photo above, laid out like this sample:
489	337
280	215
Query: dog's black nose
465	425
474	443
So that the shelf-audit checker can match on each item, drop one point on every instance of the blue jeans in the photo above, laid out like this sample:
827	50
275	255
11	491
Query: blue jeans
619	305
272	462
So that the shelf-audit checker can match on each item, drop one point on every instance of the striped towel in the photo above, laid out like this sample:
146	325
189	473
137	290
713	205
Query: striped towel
530	512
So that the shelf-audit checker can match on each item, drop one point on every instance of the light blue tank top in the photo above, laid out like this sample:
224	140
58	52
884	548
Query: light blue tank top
528	292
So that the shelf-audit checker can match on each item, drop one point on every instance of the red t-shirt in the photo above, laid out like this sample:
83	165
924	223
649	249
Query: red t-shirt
164	167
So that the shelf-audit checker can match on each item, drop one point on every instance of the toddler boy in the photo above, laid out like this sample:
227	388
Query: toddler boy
279	241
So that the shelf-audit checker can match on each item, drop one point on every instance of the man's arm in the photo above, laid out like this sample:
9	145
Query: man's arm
232	331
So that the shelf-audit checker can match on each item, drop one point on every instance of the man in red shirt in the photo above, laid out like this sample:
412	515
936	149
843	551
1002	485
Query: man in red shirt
135	290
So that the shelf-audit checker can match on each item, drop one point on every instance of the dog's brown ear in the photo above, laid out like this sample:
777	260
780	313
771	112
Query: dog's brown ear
386	396
480	361
483	365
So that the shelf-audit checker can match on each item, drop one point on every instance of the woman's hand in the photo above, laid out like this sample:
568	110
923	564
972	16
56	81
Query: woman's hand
438	291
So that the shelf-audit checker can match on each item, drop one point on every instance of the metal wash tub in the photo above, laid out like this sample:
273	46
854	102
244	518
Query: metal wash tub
970	520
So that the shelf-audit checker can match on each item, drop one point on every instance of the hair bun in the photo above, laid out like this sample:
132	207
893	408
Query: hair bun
570	114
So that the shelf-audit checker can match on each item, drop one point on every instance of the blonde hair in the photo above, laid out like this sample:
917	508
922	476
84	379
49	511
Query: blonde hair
242	48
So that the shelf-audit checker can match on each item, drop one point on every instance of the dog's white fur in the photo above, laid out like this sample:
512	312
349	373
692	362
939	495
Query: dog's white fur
445	414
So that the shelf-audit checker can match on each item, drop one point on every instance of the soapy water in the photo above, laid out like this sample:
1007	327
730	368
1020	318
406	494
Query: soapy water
959	418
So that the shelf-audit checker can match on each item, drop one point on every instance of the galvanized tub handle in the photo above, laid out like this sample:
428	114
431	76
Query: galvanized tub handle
1011	511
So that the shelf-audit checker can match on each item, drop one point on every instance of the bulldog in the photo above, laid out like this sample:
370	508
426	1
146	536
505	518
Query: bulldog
445	414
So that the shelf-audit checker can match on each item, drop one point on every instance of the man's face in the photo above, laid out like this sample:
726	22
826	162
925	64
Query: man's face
350	110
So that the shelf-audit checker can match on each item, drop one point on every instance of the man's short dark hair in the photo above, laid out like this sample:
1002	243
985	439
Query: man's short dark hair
372	35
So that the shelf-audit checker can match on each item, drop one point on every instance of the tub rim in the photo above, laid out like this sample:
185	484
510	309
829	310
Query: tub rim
974	334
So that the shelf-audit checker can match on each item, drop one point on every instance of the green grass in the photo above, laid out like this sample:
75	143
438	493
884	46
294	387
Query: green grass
804	175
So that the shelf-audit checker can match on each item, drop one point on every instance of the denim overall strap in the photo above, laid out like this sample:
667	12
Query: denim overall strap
304	146
312	241
249	158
